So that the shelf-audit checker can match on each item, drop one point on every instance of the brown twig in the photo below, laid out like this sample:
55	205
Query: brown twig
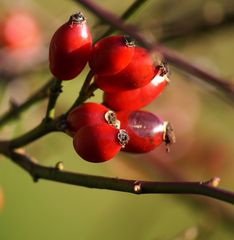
14	112
208	188
183	27
172	172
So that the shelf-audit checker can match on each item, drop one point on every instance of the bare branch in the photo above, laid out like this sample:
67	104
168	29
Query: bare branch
34	134
14	112
183	27
130	11
208	188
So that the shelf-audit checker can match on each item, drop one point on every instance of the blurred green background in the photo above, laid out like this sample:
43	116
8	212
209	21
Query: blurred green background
203	31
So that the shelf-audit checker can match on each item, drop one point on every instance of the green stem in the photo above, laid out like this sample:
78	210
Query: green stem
36	133
84	92
133	9
57	124
55	91
16	110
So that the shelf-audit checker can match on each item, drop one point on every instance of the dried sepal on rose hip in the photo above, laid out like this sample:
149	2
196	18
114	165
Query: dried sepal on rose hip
111	55
169	135
99	143
138	73
137	98
70	48
90	113
146	131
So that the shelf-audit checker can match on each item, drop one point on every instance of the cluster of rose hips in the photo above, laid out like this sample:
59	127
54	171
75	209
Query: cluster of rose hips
129	79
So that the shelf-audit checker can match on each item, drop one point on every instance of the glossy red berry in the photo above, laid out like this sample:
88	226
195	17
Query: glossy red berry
99	143
138	73
89	113
20	30
137	98
146	130
111	55
70	48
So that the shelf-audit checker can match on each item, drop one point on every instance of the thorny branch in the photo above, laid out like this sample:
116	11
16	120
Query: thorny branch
208	188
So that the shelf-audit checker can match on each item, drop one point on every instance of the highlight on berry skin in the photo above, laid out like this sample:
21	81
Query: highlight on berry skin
136	98
146	131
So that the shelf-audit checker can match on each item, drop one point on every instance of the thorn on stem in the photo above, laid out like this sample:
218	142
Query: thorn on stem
59	166
57	89
21	151
137	187
213	182
14	106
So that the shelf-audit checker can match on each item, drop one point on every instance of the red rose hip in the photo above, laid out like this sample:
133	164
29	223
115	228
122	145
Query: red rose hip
138	73
20	30
137	98
70	48
146	131
89	113
111	55
99	143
